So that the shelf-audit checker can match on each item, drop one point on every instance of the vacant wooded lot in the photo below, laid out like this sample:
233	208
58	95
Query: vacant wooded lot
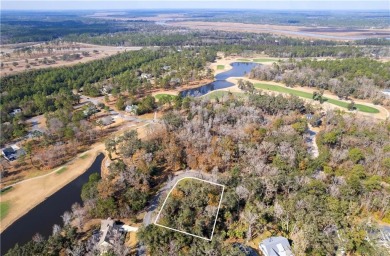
192	207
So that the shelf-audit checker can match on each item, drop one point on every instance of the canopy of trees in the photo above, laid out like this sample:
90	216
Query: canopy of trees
361	78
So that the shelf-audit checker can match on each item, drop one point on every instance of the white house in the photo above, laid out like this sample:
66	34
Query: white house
275	246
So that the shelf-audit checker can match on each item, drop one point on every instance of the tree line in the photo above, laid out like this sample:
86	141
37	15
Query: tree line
361	78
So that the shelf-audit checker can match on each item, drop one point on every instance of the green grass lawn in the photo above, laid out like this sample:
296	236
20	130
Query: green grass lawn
61	170
276	88
4	209
82	157
161	95
221	67
219	94
244	60
265	60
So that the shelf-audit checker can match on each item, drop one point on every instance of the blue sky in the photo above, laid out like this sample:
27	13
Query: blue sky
186	4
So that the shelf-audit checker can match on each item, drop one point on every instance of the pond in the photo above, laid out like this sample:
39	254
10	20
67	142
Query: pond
239	69
42	217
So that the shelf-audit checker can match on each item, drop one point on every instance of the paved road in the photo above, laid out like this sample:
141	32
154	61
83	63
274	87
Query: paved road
155	200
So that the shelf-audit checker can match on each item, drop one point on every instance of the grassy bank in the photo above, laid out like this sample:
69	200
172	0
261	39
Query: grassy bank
4	209
221	67
276	88
164	95
61	170
258	60
219	94
265	60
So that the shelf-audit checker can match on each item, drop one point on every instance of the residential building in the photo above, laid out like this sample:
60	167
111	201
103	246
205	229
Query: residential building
275	246
110	232
131	109
12	153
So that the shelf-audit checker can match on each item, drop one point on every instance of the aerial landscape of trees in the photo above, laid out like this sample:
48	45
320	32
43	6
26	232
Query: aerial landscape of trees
257	144
192	207
361	78
272	183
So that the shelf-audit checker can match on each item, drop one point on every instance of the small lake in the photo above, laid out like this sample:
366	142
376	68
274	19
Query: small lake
42	217
239	69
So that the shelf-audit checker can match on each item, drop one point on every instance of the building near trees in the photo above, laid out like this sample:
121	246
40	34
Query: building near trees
12	153
276	246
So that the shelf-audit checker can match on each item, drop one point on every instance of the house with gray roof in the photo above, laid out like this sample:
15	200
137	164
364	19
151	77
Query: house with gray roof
275	246
12	153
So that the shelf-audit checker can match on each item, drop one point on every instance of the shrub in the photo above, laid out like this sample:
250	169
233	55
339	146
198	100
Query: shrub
355	154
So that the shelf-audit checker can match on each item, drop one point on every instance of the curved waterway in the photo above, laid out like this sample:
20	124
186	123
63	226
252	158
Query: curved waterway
239	69
42	217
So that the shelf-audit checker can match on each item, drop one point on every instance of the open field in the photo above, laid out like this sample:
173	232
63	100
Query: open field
326	33
16	58
276	88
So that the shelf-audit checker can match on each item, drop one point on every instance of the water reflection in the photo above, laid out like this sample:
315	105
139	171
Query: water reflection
239	69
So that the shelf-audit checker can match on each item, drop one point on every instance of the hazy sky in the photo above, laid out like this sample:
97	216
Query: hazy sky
186	4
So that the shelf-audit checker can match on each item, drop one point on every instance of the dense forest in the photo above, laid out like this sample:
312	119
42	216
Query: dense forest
192	207
273	185
237	42
360	78
47	26
48	90
255	144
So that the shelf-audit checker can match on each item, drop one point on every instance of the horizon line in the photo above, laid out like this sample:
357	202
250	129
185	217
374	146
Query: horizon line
198	9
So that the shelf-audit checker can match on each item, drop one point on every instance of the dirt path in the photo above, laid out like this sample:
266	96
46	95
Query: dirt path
26	194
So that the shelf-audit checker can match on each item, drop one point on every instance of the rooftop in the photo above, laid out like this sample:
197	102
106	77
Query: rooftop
276	246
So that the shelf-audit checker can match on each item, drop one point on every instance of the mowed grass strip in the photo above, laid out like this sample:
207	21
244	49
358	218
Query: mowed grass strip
163	95
84	156
265	60
219	94
276	88
61	170
221	67
244	60
4	209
